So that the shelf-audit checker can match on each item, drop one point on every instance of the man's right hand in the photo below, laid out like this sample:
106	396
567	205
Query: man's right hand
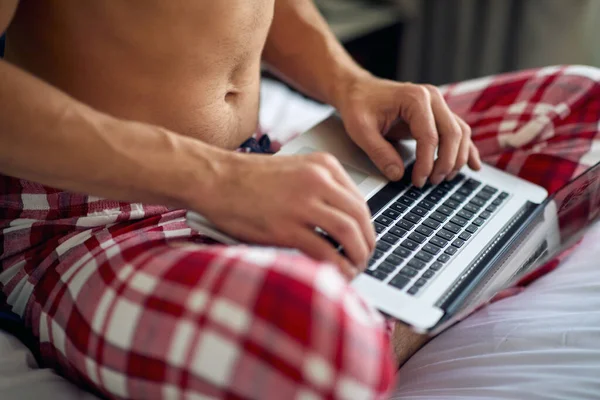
280	200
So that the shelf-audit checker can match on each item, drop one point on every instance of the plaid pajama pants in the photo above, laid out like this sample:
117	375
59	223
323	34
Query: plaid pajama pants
126	299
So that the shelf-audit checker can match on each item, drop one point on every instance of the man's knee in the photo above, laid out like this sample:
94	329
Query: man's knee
304	317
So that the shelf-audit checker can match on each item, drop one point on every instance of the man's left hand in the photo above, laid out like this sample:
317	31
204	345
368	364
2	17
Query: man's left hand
376	111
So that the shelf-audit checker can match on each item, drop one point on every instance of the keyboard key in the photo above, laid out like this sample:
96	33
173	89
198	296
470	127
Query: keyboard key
416	264
421	212
446	235
391	214
417	237
397	231
424	256
453	204
433	198
426	205
439	242
400	281
389	238
413	194
459	221
452	228
405	224
444	258
472	228
376	274
371	262
394	259
413	290
439	217
414	218
446	185
386	267
445	210
497	202
407	201
491	209
478	221
439	192
465	214
465	191
503	195
377	254
472	183
378	227
458	243
424	230
428	274
431	223
479	202
451	251
410	272
457	179
484	195
383	246
472	208
465	236
436	266
431	249
421	282
485	215
490	189
402	252
458	197
409	244
383	220
399	207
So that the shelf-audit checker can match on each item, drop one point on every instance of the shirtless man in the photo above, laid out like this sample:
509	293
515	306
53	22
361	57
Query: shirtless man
143	101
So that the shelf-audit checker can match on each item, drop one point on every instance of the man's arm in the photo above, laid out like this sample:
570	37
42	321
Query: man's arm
302	48
48	137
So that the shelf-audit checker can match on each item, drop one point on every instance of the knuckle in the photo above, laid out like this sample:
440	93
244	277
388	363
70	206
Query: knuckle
420	92
328	160
314	173
433	90
431	138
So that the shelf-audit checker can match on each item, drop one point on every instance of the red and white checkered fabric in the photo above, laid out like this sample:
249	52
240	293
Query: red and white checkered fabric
127	299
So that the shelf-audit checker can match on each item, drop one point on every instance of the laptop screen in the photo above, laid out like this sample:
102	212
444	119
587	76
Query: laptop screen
578	205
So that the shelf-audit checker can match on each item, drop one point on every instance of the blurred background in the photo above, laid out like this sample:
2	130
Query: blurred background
442	41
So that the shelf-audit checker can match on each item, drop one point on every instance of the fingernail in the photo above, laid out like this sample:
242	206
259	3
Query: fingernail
419	182
393	172
437	179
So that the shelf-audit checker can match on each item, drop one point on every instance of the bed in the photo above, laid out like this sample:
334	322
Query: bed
542	344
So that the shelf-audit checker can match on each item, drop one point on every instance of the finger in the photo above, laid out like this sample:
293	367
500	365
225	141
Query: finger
464	149
450	136
357	209
379	150
339	173
419	117
474	157
310	243
344	229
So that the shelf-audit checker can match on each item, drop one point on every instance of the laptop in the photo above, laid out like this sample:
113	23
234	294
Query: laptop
443	250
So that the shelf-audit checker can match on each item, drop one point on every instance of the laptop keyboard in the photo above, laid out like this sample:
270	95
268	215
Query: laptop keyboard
423	229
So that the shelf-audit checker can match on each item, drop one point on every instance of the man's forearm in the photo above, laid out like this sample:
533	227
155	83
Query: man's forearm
302	48
48	137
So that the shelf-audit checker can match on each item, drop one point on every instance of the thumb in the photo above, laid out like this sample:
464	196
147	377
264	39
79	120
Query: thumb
380	151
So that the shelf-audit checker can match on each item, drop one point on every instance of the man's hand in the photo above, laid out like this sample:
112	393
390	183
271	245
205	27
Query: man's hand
376	110
280	200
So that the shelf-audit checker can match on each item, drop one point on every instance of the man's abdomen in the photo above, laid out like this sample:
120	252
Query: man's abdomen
190	66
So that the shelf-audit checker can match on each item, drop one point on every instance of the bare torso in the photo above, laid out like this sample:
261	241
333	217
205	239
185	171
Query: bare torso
192	66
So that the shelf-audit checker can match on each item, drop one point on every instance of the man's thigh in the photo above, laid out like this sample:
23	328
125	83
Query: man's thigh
541	344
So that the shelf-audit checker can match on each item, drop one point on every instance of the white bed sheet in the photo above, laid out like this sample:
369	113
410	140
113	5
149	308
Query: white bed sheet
542	344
